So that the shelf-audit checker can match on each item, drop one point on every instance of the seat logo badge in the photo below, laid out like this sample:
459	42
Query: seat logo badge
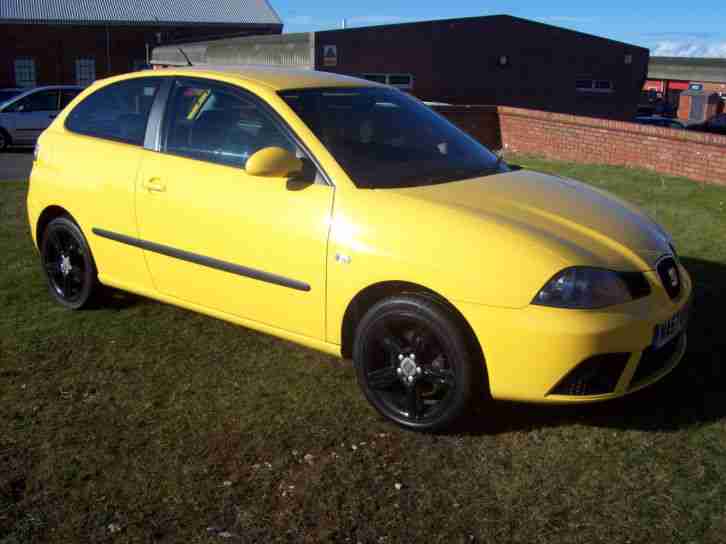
342	259
673	276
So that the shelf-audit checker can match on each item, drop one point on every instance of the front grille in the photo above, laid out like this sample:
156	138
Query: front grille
671	327
655	360
669	276
594	376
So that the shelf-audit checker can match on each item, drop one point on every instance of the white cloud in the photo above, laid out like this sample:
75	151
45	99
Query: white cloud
689	48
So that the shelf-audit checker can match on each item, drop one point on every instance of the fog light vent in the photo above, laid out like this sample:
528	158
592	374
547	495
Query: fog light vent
597	375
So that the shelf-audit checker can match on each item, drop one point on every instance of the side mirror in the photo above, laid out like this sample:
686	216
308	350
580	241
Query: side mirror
273	162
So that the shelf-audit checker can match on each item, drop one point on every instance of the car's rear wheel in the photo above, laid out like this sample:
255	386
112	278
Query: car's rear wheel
415	363
68	264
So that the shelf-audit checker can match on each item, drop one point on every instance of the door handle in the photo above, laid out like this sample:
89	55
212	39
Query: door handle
155	185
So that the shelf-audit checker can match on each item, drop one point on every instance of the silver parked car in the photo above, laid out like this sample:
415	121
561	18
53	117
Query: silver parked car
7	93
24	116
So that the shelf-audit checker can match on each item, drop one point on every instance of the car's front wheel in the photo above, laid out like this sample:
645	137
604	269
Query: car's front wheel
415	363
68	264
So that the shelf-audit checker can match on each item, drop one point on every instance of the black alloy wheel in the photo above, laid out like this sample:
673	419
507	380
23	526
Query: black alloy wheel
68	264
415	364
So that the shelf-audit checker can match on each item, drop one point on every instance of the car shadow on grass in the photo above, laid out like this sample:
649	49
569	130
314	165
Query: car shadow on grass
113	299
694	393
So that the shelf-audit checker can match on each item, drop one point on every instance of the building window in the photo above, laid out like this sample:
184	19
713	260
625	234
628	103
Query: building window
400	81
25	72
594	86
85	71
603	85
378	78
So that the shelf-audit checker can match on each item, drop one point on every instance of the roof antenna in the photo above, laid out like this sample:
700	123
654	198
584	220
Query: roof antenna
189	63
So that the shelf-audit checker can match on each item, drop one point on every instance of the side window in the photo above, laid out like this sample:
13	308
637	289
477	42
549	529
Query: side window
118	112
216	123
40	101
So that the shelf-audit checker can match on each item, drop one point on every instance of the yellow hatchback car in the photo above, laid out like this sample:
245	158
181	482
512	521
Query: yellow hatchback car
348	217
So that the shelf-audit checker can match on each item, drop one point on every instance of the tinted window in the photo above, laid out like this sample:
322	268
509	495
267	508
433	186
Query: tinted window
40	101
117	112
67	95
385	138
217	123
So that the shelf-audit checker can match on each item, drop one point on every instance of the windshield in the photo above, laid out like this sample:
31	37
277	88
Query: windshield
6	95
384	138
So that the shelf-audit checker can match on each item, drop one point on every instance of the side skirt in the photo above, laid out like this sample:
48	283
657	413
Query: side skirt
313	343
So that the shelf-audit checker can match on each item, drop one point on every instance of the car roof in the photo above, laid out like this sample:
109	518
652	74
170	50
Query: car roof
31	90
276	78
52	87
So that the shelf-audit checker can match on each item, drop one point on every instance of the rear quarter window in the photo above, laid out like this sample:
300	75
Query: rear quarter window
118	112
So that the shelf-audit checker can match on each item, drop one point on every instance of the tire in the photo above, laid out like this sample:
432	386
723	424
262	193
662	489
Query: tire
68	265
415	363
5	140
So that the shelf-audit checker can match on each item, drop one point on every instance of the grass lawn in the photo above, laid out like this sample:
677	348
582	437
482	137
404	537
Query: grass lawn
140	422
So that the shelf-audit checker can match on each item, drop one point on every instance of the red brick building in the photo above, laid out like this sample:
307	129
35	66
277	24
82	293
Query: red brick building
75	42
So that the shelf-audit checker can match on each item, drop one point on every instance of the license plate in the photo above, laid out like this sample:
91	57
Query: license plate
668	330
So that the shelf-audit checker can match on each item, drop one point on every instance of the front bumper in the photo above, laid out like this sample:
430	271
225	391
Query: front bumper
531	353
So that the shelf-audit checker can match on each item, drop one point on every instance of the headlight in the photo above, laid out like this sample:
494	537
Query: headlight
589	288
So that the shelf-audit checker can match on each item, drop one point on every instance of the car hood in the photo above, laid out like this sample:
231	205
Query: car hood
599	228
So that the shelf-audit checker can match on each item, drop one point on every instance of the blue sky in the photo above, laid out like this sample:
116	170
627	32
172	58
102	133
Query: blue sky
667	27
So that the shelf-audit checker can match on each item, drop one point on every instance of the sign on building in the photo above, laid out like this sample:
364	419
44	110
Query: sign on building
330	55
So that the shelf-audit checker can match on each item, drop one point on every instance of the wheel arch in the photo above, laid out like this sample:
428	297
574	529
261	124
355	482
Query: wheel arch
46	216
369	296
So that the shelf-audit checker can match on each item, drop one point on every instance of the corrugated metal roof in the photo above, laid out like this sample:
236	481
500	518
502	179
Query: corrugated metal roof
276	50
688	69
139	11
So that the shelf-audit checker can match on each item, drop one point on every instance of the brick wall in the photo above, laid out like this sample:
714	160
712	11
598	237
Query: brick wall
695	155
482	122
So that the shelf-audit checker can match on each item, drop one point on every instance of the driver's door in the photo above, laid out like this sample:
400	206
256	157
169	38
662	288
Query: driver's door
219	238
33	114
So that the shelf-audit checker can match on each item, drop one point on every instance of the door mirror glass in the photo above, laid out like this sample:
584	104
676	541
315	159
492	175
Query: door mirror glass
273	162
